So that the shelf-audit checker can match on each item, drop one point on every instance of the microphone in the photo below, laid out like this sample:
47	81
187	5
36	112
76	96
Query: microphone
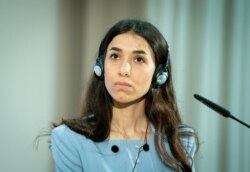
224	112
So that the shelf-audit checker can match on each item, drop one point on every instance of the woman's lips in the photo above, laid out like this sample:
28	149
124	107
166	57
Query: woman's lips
122	84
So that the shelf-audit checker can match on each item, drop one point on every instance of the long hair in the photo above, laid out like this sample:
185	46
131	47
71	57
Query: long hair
161	107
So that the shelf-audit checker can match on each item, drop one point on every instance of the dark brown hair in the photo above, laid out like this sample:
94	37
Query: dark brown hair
161	107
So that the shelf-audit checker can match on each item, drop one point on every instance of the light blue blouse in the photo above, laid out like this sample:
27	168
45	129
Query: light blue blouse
73	152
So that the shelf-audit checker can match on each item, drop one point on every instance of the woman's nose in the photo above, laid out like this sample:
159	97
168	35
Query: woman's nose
125	68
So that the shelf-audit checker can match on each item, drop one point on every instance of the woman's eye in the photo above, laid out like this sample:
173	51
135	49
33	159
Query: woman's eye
114	56
139	60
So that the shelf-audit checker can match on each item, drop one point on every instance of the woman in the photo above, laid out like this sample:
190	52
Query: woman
130	120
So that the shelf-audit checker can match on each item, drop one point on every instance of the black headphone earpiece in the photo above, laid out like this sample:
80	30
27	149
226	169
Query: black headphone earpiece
99	67
161	74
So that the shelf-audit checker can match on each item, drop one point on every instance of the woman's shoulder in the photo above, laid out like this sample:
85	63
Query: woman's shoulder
188	139
65	146
185	128
63	134
62	131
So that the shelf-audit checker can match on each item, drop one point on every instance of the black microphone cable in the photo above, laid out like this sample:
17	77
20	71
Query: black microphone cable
144	147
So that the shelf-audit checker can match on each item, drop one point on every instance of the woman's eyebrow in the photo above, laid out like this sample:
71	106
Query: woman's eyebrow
115	49
139	52
135	51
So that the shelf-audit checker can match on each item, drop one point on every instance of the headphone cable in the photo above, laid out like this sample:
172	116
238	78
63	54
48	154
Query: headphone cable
144	147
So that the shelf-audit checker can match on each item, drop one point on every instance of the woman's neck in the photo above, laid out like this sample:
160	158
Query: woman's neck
129	122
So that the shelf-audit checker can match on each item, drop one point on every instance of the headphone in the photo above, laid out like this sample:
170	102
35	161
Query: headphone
99	67
161	73
159	79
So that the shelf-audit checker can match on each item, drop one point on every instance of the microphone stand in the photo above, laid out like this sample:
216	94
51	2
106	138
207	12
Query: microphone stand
224	112
236	119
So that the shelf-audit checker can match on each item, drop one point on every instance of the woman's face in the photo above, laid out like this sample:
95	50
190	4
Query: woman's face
128	68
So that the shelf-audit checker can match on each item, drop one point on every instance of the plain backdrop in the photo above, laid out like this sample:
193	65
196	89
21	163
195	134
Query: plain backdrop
48	49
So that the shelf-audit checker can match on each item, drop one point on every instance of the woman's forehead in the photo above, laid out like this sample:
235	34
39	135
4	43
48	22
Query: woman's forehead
131	42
